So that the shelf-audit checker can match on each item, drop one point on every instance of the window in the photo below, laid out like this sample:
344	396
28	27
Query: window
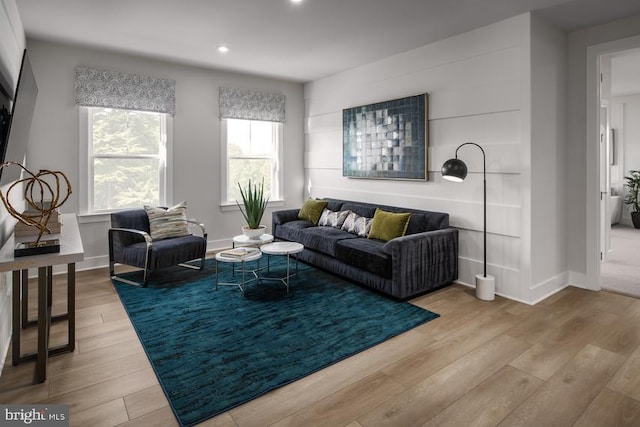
124	164
252	150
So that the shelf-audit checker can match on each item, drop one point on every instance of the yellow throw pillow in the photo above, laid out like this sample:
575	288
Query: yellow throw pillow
388	225
311	210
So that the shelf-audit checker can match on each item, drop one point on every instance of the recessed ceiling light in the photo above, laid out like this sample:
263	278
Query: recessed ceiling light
296	1
223	49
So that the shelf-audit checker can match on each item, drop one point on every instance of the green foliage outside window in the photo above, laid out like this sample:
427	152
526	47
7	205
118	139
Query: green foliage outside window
126	158
250	156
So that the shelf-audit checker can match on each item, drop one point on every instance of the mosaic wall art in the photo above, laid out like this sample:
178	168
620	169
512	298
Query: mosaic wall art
386	140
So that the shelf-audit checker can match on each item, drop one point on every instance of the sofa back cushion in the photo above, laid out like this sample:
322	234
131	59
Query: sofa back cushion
419	222
334	205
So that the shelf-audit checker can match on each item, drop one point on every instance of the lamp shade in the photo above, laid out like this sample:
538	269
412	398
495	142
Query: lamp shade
454	170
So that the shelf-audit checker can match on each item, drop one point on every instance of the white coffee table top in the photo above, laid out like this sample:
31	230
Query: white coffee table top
251	257
282	248
241	239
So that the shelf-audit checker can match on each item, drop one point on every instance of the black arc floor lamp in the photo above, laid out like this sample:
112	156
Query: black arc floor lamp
456	170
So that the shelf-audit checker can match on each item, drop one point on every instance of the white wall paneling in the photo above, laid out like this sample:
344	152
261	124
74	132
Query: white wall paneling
502	189
477	85
474	82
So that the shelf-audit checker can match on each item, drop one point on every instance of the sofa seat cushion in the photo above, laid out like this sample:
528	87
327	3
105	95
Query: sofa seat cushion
323	239
366	254
165	252
291	230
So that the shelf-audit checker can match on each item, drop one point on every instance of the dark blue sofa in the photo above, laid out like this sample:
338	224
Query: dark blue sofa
424	259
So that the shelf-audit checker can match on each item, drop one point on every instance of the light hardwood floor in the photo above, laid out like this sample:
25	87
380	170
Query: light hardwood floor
573	359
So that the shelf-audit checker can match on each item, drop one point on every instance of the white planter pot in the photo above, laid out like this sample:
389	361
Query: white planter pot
254	233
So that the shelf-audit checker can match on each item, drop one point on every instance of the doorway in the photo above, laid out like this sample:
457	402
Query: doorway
619	152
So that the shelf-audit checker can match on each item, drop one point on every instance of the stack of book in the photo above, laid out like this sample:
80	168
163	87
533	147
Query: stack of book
53	224
239	253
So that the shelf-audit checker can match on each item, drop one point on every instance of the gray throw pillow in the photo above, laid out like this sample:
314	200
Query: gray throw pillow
330	218
356	224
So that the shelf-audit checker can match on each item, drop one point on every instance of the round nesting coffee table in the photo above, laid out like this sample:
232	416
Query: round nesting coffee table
242	240
284	249
242	261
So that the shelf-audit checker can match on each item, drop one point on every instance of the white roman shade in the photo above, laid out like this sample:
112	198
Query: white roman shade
251	105
112	89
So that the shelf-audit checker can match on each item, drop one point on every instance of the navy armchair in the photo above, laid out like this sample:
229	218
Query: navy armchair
130	243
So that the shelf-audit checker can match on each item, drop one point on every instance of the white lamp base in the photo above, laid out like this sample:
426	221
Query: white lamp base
485	287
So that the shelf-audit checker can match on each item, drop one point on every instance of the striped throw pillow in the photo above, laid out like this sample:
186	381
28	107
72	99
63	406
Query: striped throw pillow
166	223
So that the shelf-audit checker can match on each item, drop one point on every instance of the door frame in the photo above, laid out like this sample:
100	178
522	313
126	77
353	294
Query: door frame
592	167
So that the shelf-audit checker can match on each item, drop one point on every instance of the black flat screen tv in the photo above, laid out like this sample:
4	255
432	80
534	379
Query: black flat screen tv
13	140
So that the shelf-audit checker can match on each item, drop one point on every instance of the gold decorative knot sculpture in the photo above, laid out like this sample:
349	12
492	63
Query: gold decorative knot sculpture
42	194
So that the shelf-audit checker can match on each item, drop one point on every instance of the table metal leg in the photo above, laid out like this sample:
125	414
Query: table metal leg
44	319
71	304
288	274
43	325
25	298
15	322
244	270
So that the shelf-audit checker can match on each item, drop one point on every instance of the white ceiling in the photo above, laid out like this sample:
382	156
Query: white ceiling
299	42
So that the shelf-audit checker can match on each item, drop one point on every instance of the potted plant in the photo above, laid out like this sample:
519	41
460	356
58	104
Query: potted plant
253	206
633	197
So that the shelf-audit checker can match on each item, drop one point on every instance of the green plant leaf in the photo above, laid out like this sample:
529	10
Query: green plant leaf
632	197
253	203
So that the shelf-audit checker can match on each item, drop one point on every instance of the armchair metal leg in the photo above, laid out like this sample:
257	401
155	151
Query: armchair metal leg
127	281
193	267
112	274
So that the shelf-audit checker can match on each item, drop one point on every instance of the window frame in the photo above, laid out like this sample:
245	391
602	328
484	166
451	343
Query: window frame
277	195
86	181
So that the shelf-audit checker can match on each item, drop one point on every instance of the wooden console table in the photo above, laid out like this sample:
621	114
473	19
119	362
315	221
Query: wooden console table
71	251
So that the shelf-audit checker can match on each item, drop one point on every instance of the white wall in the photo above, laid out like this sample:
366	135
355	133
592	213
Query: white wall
548	157
582	173
478	83
12	43
196	135
618	169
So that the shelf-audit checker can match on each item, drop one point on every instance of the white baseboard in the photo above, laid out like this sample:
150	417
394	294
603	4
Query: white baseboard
545	289
512	298
579	280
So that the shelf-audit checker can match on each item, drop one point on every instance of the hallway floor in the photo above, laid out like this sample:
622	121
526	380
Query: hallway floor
621	272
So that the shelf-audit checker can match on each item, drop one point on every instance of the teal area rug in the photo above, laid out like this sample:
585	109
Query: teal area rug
213	350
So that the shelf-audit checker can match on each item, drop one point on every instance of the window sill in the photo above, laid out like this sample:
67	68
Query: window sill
229	207
88	218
